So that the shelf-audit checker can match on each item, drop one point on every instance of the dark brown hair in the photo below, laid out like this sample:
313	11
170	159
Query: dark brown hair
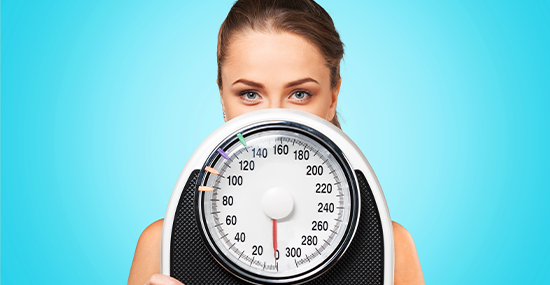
301	17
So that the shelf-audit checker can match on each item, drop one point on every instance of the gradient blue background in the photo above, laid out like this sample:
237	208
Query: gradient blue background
103	102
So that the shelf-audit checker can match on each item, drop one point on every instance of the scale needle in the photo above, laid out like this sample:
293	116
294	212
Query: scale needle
275	240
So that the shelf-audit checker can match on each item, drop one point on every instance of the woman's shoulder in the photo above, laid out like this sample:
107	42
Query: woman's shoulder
153	229
147	256
151	236
407	264
401	233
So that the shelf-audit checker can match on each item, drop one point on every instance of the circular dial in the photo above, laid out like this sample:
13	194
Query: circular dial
277	204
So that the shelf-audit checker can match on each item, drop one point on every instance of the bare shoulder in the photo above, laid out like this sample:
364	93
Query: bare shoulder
147	256
407	265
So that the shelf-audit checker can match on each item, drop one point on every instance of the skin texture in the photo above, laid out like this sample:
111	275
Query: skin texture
272	70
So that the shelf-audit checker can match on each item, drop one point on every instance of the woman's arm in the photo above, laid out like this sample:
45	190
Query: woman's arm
146	264
407	269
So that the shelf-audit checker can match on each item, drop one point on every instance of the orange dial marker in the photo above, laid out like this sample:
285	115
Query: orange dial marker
211	170
205	188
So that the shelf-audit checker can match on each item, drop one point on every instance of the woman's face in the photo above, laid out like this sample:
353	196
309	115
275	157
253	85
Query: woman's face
275	70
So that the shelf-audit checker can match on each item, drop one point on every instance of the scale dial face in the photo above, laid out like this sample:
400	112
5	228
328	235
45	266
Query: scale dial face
277	203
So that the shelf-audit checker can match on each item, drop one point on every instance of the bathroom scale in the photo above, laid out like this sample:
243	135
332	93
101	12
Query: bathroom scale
278	196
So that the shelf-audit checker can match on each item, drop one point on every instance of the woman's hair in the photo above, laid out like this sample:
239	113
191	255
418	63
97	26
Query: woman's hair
301	17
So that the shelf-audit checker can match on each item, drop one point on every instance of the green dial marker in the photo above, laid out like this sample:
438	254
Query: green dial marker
241	138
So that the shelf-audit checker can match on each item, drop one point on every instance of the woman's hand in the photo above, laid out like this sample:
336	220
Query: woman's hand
160	279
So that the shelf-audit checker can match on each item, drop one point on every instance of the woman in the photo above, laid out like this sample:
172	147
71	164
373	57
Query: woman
276	54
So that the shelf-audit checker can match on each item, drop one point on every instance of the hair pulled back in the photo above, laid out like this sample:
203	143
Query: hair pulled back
301	17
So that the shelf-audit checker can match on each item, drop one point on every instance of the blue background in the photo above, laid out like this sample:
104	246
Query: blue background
103	102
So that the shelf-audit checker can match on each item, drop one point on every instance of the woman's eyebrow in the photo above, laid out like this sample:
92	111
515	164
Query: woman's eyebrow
249	83
301	81
290	84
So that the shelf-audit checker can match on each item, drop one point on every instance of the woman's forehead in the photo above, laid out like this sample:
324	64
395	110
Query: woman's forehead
273	57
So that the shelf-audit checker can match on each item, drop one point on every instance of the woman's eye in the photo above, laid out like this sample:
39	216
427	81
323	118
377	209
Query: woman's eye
301	95
250	95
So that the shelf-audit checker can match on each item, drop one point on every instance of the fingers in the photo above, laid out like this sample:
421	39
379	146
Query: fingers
160	279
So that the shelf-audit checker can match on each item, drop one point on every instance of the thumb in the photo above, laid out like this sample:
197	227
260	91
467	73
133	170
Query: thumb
160	279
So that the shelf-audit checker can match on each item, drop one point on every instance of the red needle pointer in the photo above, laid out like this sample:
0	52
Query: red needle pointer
275	240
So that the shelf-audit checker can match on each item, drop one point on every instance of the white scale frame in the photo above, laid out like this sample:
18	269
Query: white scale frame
350	151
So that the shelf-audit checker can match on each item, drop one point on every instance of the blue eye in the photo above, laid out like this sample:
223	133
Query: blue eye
248	95
301	95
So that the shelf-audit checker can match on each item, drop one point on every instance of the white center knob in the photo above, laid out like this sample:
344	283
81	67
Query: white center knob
277	203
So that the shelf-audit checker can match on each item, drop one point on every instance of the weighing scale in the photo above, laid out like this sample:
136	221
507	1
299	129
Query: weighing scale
278	196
